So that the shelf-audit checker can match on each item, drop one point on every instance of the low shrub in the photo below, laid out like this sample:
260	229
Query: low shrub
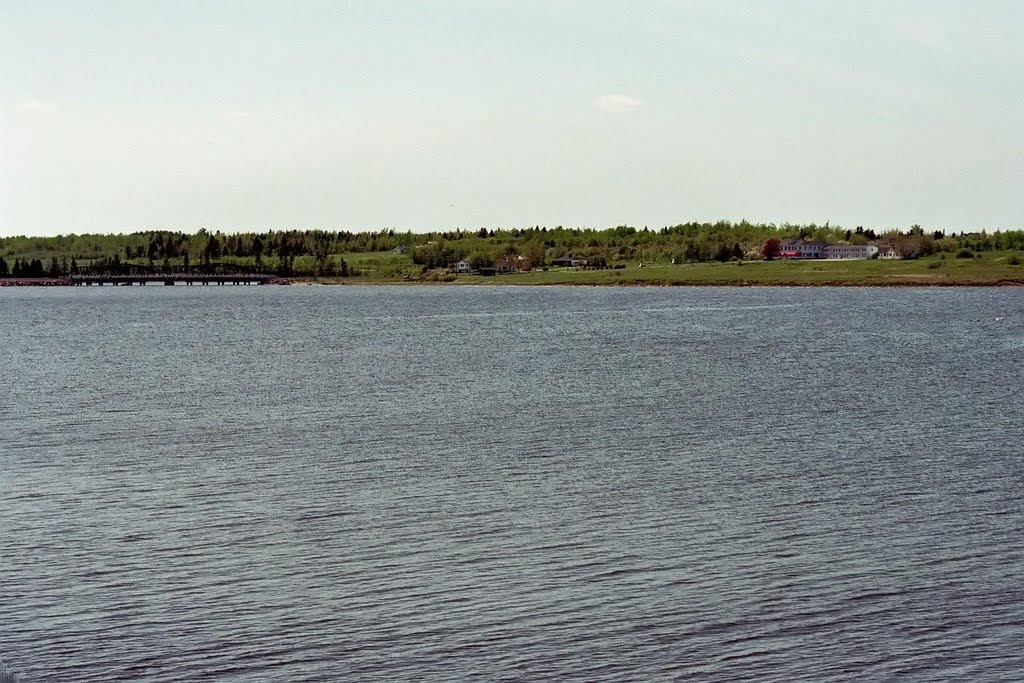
934	264
965	253
1014	260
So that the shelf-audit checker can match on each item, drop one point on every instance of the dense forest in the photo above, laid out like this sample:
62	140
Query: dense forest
322	252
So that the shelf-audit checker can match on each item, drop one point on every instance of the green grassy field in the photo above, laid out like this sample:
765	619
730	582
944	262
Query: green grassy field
381	265
990	268
986	268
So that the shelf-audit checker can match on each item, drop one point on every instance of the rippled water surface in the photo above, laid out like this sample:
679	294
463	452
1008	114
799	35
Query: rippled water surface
310	484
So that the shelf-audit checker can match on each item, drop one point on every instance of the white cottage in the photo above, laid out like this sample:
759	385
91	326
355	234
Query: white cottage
887	251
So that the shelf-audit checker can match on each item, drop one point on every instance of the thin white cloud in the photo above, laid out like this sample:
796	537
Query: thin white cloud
34	104
234	114
616	104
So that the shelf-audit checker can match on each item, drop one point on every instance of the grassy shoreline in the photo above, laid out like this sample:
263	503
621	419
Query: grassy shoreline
991	269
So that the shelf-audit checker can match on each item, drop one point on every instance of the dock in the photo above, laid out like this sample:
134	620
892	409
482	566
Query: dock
188	279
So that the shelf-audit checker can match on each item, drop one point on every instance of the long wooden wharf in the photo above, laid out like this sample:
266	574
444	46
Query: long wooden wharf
99	280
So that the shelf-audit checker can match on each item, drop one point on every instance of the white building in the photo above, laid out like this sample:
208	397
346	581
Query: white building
887	251
795	248
462	267
850	251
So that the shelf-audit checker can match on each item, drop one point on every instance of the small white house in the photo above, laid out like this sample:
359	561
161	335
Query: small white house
850	251
887	251
462	267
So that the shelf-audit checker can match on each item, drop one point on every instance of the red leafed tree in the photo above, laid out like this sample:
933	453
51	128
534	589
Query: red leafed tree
772	248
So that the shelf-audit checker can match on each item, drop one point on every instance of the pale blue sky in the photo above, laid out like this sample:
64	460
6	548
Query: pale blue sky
183	114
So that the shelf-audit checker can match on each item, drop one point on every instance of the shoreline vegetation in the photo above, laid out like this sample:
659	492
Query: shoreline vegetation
933	271
694	254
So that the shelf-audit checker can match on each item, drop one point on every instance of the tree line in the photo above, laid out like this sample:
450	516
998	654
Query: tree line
321	252
34	268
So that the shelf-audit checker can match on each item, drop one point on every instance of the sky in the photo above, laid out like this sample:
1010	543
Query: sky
443	114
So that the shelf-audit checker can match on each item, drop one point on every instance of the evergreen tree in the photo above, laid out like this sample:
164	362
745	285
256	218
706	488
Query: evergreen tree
212	250
4	268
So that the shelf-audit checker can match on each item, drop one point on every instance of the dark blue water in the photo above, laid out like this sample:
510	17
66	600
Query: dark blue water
404	483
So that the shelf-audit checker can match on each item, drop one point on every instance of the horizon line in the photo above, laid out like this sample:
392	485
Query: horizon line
536	226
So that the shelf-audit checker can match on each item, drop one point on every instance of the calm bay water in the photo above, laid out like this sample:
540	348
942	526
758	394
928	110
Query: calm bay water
309	484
